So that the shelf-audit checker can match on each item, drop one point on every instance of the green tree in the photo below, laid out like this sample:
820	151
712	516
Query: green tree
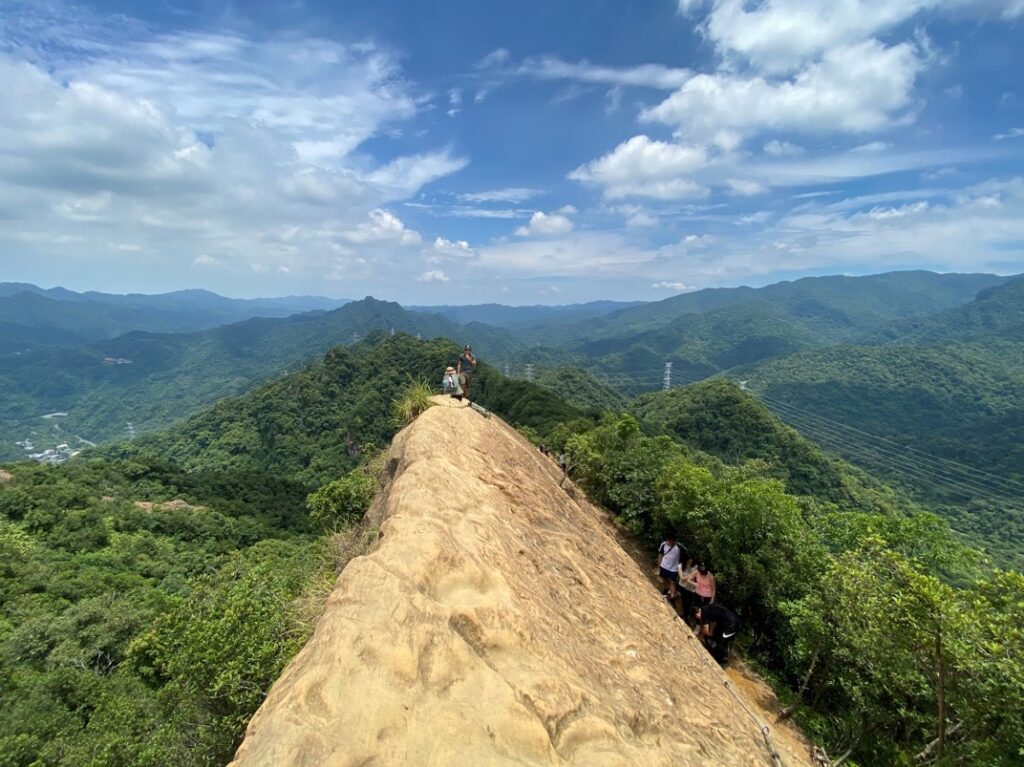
343	500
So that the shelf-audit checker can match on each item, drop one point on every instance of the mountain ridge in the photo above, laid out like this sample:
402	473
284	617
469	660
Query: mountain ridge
502	646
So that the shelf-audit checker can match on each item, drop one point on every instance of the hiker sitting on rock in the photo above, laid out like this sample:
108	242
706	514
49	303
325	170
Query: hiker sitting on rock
465	367
717	627
450	383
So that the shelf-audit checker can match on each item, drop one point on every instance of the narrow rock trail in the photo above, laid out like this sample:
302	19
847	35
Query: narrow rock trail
498	622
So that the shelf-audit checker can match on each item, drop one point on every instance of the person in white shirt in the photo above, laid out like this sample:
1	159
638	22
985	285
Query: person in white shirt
689	587
670	554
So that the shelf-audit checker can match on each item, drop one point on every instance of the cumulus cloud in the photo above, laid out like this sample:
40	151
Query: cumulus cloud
548	224
443	249
382	227
643	167
210	149
785	68
781	35
855	88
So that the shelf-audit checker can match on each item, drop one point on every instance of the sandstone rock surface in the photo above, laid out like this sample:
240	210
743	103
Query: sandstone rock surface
497	622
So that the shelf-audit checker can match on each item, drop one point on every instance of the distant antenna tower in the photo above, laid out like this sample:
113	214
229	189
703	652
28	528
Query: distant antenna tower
508	369
529	372
667	382
130	428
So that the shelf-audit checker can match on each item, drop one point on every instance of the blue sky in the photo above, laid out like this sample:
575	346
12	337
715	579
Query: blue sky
538	152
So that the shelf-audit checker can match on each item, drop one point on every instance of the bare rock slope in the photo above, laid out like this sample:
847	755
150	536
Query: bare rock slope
498	622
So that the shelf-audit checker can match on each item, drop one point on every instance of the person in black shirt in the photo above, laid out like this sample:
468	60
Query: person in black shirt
718	627
465	367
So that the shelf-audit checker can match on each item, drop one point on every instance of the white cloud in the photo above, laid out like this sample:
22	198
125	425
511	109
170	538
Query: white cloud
641	218
548	224
498	65
435	275
776	148
642	167
746	187
404	176
613	100
513	194
1011	133
677	286
759	217
856	88
443	249
382	227
454	102
782	35
202	149
575	254
872	146
698	240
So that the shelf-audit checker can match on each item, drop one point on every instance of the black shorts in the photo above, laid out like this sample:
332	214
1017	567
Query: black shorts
669	575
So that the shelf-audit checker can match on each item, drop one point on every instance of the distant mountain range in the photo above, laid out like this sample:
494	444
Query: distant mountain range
152	380
871	368
31	316
528	316
708	331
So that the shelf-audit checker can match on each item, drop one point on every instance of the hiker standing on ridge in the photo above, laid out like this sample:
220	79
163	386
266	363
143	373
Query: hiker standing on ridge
465	367
670	554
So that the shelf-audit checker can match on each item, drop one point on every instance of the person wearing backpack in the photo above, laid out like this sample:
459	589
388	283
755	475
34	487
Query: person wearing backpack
670	554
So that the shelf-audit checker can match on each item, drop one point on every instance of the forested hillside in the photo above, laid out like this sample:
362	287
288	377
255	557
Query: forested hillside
708	331
719	418
150	594
152	591
836	307
939	411
316	424
166	377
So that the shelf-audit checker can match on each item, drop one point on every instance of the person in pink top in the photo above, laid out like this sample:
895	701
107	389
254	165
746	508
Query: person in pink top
703	581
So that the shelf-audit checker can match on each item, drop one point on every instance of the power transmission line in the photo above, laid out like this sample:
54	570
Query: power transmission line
946	464
823	429
918	456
